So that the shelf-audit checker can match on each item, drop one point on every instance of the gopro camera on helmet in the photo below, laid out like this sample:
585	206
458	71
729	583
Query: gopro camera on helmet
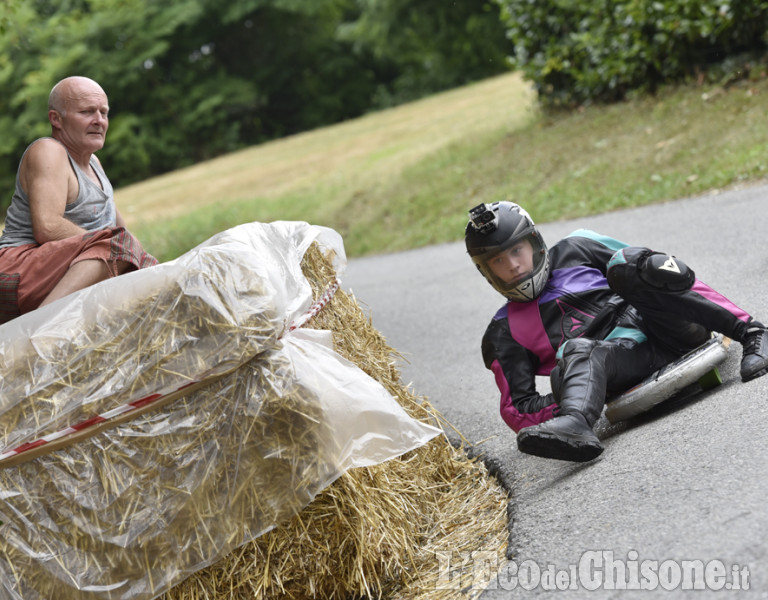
484	218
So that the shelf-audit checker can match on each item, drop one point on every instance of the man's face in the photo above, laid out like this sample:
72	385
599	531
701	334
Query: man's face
82	124
514	263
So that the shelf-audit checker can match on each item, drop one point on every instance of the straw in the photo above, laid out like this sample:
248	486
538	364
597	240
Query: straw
376	532
379	531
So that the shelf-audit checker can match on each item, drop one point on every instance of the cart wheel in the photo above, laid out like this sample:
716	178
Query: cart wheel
710	379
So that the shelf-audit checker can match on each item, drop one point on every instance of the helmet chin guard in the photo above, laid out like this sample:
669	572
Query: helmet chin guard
495	228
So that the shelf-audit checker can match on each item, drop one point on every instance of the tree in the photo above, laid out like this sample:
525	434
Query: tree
189	80
429	45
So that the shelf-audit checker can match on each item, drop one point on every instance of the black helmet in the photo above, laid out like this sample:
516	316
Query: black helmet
494	228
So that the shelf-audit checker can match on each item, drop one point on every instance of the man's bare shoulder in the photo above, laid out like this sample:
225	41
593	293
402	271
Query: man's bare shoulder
44	158
46	168
45	151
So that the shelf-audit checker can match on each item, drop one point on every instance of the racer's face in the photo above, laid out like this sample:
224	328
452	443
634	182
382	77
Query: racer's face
514	263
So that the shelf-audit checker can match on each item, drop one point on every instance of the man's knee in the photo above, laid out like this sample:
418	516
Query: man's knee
122	266
632	269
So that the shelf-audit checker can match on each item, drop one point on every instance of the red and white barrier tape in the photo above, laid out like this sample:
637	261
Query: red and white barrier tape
317	306
92	421
134	405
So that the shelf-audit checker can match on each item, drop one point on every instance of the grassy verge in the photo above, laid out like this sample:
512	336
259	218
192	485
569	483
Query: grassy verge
405	177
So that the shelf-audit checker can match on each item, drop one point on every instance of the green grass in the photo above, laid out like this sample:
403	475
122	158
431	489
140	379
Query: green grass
405	177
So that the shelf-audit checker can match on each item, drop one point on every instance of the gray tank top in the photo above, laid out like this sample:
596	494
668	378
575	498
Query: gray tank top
93	209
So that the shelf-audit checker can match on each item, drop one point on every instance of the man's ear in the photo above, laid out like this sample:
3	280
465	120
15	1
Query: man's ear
55	118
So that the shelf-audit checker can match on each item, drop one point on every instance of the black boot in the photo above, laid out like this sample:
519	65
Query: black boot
578	383
754	359
566	437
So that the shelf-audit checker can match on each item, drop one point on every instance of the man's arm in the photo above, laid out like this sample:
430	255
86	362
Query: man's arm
49	181
119	221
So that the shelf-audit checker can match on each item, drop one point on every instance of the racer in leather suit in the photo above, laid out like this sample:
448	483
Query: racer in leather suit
594	314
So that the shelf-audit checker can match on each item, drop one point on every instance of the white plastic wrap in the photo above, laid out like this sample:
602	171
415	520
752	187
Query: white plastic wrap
134	509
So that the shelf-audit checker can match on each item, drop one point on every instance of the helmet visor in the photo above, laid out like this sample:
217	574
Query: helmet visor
514	269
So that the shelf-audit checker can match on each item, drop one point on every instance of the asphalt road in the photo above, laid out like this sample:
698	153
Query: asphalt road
685	482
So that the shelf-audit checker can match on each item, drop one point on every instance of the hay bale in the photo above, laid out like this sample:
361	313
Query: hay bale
158	335
149	499
376	531
120	506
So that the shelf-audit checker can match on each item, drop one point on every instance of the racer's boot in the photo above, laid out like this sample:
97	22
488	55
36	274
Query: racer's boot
754	359
565	437
578	382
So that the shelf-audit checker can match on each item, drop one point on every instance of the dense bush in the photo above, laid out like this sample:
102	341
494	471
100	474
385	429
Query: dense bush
576	51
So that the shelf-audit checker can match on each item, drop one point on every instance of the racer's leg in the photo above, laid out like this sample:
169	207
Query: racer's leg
754	360
679	311
586	371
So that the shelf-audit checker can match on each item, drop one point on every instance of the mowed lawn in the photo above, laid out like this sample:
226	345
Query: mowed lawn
329	176
405	177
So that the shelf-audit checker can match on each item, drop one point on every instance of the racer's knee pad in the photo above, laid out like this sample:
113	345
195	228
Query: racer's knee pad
665	272
629	270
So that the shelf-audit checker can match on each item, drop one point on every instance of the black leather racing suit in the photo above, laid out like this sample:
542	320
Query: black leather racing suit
617	321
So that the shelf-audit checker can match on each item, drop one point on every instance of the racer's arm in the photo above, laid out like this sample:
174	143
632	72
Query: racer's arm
47	178
595	249
603	252
514	368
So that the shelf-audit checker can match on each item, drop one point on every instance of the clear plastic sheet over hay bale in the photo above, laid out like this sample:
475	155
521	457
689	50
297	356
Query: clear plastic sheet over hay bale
138	507
404	529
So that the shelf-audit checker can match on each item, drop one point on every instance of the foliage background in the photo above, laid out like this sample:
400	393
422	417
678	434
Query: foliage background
577	51
193	79
190	80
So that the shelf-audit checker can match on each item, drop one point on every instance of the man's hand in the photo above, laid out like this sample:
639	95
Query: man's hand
48	179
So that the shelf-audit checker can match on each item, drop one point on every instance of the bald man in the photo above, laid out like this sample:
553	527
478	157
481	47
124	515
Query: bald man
63	231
